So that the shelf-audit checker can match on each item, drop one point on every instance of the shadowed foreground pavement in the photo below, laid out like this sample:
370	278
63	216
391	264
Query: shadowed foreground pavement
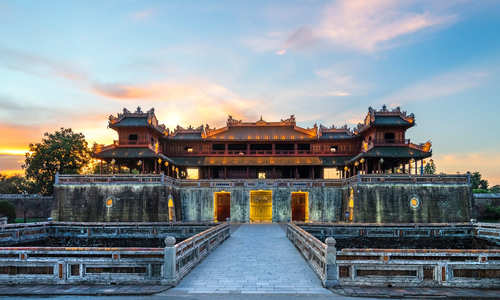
257	262
257	258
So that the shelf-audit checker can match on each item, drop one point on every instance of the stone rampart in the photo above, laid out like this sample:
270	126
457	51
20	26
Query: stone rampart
365	198
30	206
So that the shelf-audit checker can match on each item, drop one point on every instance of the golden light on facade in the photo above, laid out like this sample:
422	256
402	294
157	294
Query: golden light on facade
166	164
356	163
159	160
346	168
362	161
139	162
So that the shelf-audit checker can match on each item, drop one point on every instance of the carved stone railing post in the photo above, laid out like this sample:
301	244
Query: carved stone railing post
331	276
170	272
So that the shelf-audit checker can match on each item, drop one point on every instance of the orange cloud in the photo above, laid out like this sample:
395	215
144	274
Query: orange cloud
199	100
15	138
487	163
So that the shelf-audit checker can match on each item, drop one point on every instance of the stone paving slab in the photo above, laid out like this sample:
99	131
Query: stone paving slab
418	293
257	258
19	290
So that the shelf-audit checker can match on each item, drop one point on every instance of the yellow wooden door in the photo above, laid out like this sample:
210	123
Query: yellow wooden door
261	206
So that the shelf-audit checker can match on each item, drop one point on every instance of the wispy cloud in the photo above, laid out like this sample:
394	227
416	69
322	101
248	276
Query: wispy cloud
369	25
437	87
39	65
142	14
361	25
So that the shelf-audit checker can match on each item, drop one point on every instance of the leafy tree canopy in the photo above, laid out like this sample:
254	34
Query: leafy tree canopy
16	185
477	182
63	151
495	189
430	168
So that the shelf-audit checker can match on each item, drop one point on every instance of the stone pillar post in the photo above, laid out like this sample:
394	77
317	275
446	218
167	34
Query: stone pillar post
169	266
332	277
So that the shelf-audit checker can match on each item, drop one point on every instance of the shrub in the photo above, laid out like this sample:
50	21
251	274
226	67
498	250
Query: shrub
491	213
8	210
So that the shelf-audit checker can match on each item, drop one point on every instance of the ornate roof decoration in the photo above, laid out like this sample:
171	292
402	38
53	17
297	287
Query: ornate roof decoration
149	119
386	117
189	129
260	124
335	132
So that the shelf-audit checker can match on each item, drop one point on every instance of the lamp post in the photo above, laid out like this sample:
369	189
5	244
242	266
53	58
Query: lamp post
362	161
380	164
113	166
346	171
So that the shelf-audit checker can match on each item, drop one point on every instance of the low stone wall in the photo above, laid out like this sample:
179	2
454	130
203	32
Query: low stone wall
116	202
30	206
104	265
397	267
481	202
25	233
408	203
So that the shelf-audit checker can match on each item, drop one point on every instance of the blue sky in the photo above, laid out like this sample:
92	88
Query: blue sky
73	63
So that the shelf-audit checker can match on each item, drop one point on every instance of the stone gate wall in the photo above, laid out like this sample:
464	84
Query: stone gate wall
377	199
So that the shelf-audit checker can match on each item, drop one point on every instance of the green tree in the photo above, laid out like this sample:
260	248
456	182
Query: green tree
430	168
63	152
8	210
495	189
16	185
477	182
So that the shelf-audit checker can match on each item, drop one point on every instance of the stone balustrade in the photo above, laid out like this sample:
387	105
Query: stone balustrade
289	182
193	250
68	265
399	267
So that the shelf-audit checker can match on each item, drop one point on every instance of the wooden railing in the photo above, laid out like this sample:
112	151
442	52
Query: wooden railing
188	253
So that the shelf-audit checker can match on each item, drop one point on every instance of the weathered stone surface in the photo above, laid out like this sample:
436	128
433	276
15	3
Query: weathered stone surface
198	203
377	203
30	206
129	203
390	203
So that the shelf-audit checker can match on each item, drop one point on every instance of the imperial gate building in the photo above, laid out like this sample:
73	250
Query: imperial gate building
264	171
265	150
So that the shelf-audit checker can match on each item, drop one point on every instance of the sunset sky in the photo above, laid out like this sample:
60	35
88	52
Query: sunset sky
73	63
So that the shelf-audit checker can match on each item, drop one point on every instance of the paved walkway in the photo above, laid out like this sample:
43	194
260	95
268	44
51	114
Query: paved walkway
257	258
